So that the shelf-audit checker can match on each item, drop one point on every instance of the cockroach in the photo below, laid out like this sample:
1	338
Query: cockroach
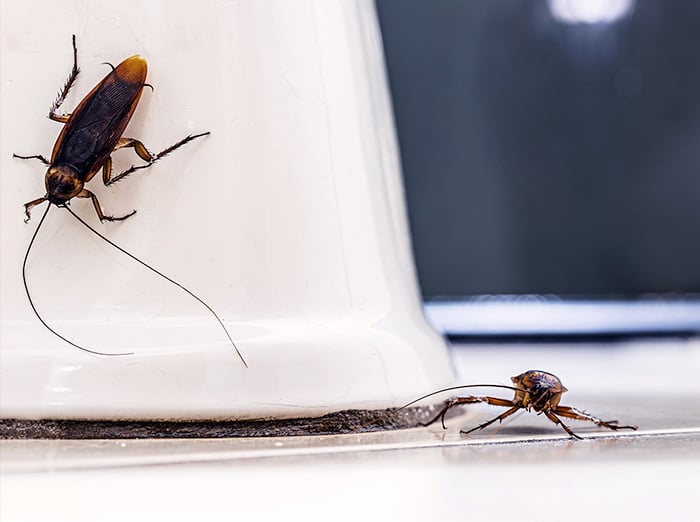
90	134
534	390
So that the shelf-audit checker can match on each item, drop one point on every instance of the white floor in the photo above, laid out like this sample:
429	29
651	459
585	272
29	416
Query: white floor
526	469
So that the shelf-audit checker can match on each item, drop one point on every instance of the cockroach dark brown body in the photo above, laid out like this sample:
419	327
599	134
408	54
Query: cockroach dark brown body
534	390
84	147
92	132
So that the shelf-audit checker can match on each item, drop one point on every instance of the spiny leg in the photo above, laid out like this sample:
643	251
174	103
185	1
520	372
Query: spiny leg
35	156
500	418
63	118
38	201
140	150
95	203
143	153
30	205
449	404
573	413
557	420
138	147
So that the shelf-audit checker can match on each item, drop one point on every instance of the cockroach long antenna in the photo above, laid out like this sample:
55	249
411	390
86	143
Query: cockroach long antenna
31	302
146	265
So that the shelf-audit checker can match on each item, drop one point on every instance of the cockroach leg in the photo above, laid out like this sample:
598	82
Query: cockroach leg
85	193
470	399
63	118
60	118
30	205
180	143
500	418
494	401
449	404
35	156
138	147
557	420
143	153
107	63
573	413
107	170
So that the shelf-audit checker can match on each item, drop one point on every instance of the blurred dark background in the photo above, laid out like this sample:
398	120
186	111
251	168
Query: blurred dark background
549	148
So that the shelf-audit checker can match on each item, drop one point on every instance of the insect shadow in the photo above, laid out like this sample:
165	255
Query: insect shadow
90	134
535	390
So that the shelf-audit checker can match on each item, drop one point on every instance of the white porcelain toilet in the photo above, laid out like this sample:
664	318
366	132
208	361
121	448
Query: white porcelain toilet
288	220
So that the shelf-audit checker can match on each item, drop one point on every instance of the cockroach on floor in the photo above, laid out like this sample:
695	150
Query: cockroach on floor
534	390
84	147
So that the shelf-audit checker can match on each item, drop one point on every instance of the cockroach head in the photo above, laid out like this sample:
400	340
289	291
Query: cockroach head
542	390
62	184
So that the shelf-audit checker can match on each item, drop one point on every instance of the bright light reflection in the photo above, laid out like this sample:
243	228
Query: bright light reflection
590	11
